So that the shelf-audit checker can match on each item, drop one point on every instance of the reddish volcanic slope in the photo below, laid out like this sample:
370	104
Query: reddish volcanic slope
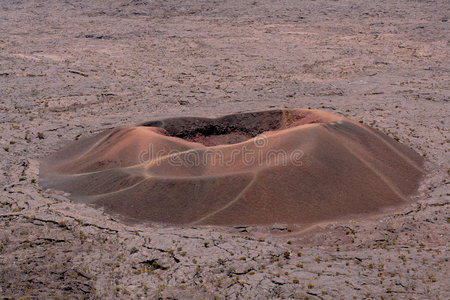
279	166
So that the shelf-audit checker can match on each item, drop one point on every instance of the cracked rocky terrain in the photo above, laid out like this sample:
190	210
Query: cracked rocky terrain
69	69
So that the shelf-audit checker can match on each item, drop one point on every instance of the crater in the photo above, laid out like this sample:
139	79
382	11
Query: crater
279	166
236	128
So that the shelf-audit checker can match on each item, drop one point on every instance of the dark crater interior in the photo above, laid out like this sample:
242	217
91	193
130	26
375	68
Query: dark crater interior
229	129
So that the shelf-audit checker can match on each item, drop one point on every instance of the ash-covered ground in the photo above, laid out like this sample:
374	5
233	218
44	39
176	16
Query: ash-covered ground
69	69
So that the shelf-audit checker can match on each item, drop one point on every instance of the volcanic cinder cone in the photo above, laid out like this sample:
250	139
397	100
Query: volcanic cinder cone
279	166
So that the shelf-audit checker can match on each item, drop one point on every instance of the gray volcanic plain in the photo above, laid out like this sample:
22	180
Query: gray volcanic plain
71	71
